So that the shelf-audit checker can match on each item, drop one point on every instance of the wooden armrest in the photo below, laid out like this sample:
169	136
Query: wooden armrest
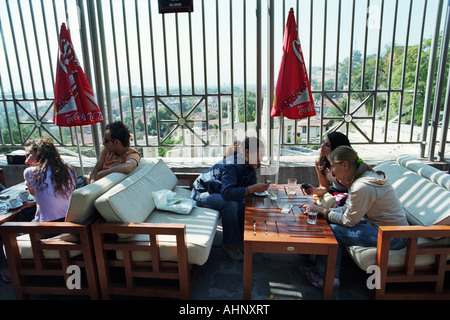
190	177
137	228
41	227
414	231
385	233
11	225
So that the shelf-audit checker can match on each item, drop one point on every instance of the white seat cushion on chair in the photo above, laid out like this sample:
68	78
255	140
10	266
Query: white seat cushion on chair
201	226
131	200
366	256
26	251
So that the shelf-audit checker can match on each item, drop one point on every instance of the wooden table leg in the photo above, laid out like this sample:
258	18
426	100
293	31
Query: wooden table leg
329	273
248	256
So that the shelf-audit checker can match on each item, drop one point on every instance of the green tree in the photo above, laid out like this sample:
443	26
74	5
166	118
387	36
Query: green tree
163	114
250	106
382	73
409	80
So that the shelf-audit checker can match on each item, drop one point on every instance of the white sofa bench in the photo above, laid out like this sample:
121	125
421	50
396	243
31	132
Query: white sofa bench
143	242
425	195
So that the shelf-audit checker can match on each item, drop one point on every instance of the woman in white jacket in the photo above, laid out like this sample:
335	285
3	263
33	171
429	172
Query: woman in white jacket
372	202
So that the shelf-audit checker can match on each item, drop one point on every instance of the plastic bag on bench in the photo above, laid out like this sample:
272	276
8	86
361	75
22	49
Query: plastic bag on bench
167	200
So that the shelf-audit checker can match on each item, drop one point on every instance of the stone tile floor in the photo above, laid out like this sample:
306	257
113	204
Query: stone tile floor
275	276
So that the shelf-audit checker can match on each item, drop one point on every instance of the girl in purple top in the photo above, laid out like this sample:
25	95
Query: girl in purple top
49	179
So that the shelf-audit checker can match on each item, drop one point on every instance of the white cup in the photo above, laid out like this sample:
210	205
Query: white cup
24	195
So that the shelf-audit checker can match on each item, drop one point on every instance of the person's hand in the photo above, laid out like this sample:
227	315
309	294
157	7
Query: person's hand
258	187
310	190
101	174
313	207
29	204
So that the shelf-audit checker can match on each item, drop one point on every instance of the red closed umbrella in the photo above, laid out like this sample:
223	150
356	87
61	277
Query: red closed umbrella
75	103
293	98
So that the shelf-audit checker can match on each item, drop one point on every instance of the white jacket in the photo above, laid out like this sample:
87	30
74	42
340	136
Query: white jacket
370	196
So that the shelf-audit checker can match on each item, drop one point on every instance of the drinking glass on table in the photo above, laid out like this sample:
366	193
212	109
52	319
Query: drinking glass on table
292	183
273	192
283	204
311	216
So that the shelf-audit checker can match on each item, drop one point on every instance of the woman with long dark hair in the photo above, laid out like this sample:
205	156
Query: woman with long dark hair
49	179
327	181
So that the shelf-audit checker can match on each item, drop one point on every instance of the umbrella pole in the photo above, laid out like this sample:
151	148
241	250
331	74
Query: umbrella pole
280	128
79	151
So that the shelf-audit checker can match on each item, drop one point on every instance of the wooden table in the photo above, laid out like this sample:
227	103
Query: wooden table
267	230
13	192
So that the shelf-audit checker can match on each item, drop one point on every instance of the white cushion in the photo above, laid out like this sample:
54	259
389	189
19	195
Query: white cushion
26	251
366	256
182	192
201	226
131	200
81	205
425	202
434	175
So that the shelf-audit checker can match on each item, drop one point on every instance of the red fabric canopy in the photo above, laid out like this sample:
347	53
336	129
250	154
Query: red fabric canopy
75	104
293	95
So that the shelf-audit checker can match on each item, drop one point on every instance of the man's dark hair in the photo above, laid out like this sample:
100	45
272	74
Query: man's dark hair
120	132
252	144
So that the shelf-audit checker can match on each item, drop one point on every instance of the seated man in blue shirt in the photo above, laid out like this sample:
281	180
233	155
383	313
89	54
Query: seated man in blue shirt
224	186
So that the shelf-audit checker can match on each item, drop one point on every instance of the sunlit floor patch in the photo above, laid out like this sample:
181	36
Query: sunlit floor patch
283	291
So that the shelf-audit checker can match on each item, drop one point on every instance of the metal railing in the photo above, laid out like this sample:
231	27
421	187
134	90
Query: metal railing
206	78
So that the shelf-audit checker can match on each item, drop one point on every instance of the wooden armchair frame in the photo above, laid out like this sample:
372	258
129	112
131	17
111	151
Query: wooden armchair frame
186	179
410	273
106	244
27	274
